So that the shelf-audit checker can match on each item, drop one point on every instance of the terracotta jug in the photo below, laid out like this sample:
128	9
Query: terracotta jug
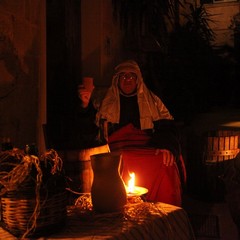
108	190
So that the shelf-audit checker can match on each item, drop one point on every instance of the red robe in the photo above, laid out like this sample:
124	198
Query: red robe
163	182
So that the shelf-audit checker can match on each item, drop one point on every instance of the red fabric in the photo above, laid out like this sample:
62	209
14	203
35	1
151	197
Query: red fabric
163	182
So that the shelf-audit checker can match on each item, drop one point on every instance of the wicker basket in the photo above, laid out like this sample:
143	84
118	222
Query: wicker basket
37	204
16	214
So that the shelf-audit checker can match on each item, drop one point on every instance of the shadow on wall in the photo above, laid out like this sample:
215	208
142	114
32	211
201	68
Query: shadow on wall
18	94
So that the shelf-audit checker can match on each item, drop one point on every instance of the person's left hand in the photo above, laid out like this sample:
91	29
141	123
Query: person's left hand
168	157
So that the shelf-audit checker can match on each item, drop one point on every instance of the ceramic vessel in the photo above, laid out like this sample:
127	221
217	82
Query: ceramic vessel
108	190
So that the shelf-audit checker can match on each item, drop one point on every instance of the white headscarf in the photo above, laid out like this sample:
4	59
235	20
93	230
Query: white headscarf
151	108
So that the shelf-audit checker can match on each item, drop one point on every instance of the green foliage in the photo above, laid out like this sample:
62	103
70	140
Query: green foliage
197	25
150	18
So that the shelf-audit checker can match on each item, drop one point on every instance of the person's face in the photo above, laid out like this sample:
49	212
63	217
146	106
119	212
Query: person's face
127	82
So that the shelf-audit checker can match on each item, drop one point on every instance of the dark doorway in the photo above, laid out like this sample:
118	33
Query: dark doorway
63	66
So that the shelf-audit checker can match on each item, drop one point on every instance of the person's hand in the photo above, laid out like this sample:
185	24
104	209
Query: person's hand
168	157
84	95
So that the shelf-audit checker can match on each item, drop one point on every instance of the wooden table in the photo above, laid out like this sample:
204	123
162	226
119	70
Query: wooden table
142	220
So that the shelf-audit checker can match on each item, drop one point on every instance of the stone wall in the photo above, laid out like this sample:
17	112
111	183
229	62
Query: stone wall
222	17
22	70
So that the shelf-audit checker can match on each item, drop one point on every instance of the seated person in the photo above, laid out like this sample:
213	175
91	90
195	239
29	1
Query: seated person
141	127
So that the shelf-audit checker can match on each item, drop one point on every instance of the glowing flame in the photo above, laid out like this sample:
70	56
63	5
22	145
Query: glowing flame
133	190
131	183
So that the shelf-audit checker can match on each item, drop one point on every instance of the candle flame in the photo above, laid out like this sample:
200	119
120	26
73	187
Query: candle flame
131	183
